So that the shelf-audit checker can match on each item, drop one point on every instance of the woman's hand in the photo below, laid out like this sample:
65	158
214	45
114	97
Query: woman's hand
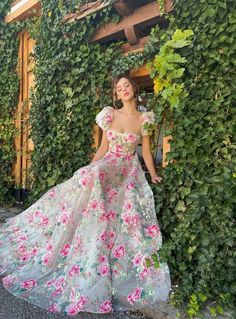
156	179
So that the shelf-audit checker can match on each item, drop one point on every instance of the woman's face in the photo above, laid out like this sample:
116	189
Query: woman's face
124	90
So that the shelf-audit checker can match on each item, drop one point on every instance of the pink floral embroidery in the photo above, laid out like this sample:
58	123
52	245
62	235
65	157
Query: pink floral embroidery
58	282
153	230
103	217
85	211
30	218
46	258
137	260
63	207
102	176
29	284
111	191
119	252
93	204
57	292
38	213
110	216
136	295
21	248
75	270
130	138
82	171
64	218
44	221
145	272
108	237
132	220
106	306
65	250
108	118
50	282
102	259
7	281
84	181
113	162
111	135
124	171
128	157
104	270
54	308
130	186
49	246
52	193
118	148
128	205
26	256
103	236
76	307
134	171
72	309
23	237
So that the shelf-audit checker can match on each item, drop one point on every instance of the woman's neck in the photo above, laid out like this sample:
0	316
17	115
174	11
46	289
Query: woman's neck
129	107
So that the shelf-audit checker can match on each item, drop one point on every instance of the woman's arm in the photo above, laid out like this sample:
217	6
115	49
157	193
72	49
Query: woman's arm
148	158
103	148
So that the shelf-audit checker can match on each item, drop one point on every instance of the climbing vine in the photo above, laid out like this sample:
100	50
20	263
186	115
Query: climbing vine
9	84
167	70
195	202
72	84
161	4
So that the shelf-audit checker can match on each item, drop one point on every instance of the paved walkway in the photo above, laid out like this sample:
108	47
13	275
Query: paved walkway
15	308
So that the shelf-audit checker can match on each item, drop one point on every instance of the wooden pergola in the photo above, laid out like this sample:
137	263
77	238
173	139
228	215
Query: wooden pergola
137	19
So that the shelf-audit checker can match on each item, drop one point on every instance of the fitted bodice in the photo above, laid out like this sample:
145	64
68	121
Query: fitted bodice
122	143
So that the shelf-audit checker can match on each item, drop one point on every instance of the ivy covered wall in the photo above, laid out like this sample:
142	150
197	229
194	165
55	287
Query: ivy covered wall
195	202
9	84
72	84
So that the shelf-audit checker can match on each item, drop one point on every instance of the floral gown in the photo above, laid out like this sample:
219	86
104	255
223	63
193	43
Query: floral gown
83	245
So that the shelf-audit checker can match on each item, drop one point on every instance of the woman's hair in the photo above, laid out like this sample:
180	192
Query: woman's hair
117	102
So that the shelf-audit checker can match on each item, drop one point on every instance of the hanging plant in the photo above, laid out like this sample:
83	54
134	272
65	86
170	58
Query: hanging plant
167	70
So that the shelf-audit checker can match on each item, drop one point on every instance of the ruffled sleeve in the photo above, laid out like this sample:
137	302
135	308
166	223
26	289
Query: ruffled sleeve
104	117
148	123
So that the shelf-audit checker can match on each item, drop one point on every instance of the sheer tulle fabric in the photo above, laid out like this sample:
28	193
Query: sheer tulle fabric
83	245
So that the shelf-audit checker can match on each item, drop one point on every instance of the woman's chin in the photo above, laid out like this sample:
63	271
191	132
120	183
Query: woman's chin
127	99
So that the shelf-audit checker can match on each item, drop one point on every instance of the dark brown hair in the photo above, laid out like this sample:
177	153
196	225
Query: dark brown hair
117	103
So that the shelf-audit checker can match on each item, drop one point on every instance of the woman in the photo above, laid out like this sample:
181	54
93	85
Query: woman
84	245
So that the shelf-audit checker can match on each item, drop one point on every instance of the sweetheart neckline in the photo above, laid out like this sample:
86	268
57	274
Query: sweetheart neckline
124	132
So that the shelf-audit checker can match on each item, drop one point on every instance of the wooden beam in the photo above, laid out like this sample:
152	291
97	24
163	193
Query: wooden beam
142	14
131	35
15	2
70	17
16	167
23	11
140	72
166	149
127	48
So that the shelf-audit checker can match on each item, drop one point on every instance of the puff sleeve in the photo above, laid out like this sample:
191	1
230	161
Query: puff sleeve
148	123
104	117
